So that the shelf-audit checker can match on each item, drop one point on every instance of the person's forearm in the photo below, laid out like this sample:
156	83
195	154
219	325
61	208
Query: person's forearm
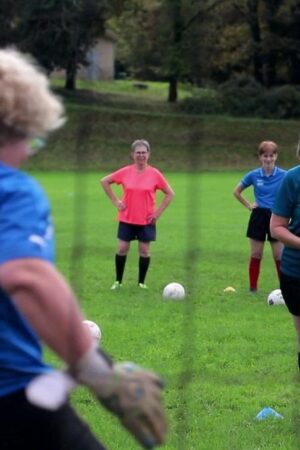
42	295
109	192
283	235
243	201
164	204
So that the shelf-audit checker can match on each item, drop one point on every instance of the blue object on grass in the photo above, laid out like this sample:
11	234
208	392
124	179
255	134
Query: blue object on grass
268	412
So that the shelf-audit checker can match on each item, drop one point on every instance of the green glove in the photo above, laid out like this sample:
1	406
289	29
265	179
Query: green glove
128	391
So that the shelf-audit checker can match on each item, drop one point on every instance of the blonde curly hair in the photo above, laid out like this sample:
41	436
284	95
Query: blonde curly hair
28	108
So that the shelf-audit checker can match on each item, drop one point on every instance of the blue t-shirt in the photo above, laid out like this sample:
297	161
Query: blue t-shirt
26	231
287	204
264	186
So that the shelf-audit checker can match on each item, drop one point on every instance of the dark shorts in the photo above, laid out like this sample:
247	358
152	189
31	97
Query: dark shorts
290	289
143	233
259	225
25	426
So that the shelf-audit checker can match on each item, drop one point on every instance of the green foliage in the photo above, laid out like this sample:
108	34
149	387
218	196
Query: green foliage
205	101
242	96
282	102
58	33
224	356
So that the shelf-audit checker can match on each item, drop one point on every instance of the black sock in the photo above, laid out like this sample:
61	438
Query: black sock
120	261
143	268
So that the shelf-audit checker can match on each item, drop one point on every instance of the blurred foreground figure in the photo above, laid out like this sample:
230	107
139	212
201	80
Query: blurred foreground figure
285	226
37	304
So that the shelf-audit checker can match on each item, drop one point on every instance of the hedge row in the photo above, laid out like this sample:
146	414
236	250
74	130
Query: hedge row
248	98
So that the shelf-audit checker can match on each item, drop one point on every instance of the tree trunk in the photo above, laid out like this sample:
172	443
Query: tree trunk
176	59
253	22
71	70
172	97
271	51
294	71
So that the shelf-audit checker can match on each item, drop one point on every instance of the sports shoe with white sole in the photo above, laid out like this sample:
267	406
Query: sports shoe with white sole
116	285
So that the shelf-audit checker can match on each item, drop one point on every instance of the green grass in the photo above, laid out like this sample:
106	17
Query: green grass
224	356
104	119
100	137
153	89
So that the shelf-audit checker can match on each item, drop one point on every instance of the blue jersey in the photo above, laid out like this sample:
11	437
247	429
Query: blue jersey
287	204
264	186
25	232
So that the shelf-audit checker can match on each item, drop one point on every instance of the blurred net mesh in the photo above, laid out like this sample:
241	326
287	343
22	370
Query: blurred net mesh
112	153
187	145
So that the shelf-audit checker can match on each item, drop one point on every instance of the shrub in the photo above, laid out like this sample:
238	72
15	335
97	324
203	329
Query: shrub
281	102
241	96
204	101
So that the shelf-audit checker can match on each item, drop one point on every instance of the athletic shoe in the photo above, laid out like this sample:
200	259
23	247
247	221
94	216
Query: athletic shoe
143	286
253	290
116	285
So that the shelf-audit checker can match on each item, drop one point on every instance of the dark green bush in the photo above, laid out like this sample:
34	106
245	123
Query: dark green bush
241	96
205	101
281	102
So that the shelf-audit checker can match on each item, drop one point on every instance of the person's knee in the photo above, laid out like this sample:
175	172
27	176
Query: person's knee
144	251
123	249
256	254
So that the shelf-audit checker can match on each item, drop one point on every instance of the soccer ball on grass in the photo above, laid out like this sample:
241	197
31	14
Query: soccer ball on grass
275	298
174	291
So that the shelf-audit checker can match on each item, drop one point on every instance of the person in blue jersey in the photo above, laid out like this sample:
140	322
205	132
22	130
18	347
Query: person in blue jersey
38	306
265	181
285	226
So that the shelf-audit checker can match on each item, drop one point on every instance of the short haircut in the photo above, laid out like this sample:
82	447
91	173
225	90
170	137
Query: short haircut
140	142
266	145
28	107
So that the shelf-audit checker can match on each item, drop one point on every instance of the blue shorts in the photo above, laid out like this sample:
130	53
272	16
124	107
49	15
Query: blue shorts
143	233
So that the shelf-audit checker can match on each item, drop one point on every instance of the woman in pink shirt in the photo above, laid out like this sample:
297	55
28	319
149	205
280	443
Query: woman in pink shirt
137	211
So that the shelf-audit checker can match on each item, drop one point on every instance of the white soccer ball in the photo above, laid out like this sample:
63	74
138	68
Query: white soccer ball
174	291
94	329
275	298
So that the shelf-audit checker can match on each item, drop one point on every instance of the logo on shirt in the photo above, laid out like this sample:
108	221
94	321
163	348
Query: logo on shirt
37	240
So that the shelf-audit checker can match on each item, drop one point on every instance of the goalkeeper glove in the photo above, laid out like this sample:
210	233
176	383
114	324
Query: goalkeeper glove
128	391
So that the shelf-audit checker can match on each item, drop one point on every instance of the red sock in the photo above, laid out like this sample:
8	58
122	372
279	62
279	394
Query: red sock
254	268
277	263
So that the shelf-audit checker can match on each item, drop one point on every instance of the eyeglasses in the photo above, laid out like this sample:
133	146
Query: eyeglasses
35	145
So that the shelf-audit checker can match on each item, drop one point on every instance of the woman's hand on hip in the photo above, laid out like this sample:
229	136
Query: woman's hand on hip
119	205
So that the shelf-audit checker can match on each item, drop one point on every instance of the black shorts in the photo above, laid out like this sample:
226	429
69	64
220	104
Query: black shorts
259	225
290	289
143	233
24	425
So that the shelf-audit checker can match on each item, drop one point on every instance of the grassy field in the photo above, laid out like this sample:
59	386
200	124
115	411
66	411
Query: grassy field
224	356
104	119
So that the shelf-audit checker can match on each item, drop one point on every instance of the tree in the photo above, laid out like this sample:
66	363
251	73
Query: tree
164	39
255	33
286	27
271	44
9	21
59	32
